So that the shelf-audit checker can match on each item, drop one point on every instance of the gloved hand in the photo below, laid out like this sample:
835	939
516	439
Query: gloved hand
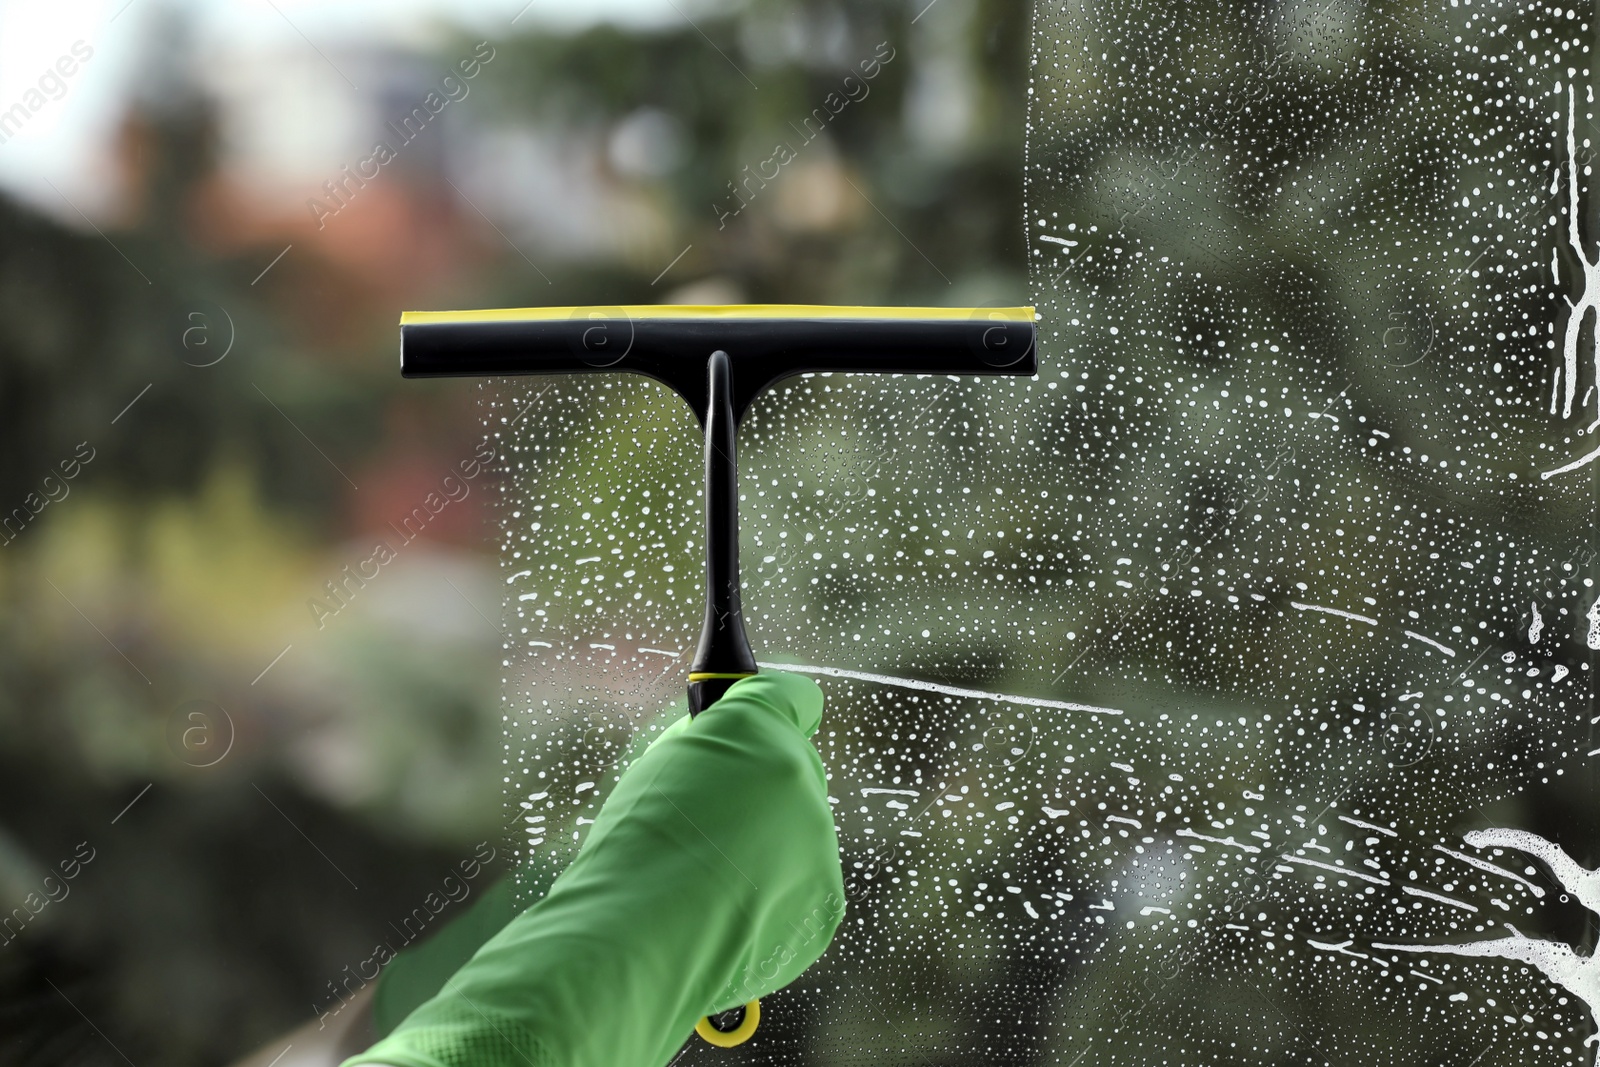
710	878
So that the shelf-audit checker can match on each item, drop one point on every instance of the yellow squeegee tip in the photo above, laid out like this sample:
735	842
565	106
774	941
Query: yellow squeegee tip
722	311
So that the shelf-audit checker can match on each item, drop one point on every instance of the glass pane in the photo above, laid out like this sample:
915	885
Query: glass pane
1200	700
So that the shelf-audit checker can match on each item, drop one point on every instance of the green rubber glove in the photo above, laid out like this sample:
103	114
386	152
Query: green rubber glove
711	877
418	973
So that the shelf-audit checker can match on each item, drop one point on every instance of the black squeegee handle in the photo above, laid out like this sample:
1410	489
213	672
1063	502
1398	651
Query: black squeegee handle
673	350
723	656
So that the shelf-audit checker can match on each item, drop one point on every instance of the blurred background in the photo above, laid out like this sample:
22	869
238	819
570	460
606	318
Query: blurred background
286	781
257	741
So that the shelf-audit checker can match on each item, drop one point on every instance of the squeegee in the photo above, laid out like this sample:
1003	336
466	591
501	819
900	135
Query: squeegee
719	359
